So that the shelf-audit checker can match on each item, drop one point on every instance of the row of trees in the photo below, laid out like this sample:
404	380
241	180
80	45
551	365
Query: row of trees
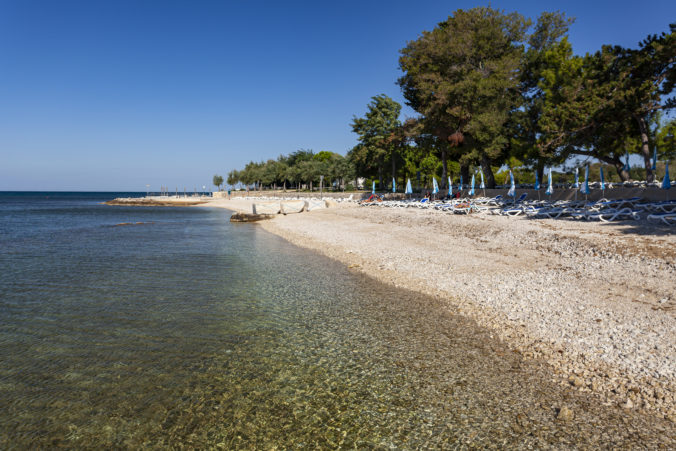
493	90
303	167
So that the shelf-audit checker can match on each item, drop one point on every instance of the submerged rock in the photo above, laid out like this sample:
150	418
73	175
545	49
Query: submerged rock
248	217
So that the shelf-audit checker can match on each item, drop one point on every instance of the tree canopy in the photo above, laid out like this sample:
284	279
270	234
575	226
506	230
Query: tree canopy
493	89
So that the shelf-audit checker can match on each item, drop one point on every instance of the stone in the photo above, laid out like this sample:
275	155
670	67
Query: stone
248	217
576	381
565	414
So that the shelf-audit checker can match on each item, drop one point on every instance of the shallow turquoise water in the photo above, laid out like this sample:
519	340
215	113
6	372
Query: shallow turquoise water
186	330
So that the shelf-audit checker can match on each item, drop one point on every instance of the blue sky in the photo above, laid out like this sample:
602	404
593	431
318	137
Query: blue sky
114	95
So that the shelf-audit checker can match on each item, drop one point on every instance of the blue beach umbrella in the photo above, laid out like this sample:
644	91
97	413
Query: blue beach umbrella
603	181
471	189
394	185
536	187
373	191
584	189
666	183
409	190
626	164
654	158
577	179
550	188
436	185
450	187
512	187
460	187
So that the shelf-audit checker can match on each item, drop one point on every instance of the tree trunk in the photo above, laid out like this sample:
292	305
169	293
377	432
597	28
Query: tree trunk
645	148
444	169
540	168
488	172
464	173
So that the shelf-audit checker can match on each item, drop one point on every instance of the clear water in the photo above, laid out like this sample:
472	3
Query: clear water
181	329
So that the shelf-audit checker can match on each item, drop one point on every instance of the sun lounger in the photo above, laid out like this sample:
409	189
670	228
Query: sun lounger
512	211
667	218
607	215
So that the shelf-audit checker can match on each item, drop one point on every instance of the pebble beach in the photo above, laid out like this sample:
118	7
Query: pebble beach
595	302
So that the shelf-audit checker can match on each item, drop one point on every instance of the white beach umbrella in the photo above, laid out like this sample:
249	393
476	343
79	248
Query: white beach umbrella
512	186
584	189
550	188
577	181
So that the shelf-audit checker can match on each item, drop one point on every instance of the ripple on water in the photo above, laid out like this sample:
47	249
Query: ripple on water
196	332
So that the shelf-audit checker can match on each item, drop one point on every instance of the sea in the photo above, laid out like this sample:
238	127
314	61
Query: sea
162	327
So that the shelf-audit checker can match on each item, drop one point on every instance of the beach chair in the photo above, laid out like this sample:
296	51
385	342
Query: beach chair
666	218
512	211
618	214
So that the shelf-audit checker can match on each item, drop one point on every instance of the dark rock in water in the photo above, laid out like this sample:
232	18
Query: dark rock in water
146	202
248	217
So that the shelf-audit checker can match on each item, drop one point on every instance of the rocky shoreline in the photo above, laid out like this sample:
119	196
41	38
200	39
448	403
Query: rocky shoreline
595	302
157	201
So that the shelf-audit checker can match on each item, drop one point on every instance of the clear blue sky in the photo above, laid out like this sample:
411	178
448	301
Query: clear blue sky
114	95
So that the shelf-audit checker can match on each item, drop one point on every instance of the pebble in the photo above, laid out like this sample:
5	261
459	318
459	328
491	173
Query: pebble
509	272
565	414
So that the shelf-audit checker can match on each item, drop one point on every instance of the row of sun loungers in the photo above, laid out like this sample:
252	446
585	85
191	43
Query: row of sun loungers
603	210
349	198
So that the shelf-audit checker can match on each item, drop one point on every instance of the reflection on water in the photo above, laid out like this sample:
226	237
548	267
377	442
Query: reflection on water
192	331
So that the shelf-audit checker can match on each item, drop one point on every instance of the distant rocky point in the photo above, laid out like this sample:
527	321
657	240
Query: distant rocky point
156	201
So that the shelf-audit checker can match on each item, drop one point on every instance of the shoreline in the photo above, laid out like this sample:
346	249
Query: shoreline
595	302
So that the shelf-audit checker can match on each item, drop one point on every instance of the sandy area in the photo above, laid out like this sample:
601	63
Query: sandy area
595	301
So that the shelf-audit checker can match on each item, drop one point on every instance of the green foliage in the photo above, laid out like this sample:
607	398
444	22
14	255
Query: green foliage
380	137
460	78
666	141
300	167
218	181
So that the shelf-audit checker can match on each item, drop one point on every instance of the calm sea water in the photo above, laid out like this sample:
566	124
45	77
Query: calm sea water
156	327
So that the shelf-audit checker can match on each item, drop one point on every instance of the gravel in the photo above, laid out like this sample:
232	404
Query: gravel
597	302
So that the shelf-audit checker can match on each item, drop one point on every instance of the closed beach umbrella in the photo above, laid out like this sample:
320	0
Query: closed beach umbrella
394	185
655	158
450	187
550	188
409	190
666	183
460	187
626	163
483	185
536	187
512	187
584	189
471	189
603	182
436	185
373	191
577	181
